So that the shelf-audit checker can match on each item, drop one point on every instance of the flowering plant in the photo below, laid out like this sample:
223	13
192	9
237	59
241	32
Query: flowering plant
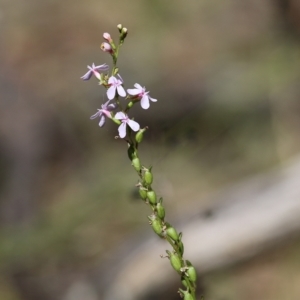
114	85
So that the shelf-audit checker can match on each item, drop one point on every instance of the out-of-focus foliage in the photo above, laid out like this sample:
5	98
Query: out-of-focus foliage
226	76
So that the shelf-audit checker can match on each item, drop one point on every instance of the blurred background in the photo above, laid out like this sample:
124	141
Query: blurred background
226	75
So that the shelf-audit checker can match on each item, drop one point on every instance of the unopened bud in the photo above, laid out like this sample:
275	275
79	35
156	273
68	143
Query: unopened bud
160	210
175	261
140	134
148	177
186	295
191	271
106	47
143	193
151	197
120	26
136	164
156	224
172	233
107	37
183	281
124	33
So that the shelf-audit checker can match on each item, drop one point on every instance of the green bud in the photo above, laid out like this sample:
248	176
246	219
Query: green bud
136	164
156	224
172	233
183	281
143	193
191	272
151	197
140	134
160	210
186	295
175	261
148	177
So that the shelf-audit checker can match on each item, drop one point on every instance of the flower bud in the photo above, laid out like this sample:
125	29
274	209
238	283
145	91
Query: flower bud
175	261
186	295
140	134
172	233
156	224
143	193
124	33
160	210
106	47
120	26
151	197
107	37
183	281
191	272
148	177
136	164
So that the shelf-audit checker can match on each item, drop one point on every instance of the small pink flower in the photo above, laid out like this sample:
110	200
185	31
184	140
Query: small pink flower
126	121
94	70
140	93
104	112
115	85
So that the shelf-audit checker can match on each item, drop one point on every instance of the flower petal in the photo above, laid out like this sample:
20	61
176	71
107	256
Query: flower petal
111	106
121	91
111	92
152	99
97	114
122	130
138	86
120	115
103	67
135	126
87	75
102	121
133	92
112	80
145	102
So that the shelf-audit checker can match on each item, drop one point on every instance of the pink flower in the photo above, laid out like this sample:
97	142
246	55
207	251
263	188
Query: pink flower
115	85
126	121
140	93
94	70
104	112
